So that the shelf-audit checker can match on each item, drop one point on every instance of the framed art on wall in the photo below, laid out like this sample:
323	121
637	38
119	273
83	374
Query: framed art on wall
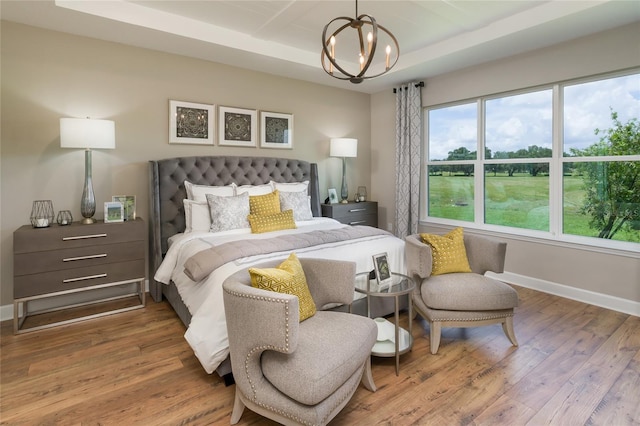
129	205
113	212
237	126
276	130
191	123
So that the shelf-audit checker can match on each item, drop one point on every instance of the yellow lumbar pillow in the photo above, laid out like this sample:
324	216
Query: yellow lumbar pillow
271	222
265	204
448	252
287	278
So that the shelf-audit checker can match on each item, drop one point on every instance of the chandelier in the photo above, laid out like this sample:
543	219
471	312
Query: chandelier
363	54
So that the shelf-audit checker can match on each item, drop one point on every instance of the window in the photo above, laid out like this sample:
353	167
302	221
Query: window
560	162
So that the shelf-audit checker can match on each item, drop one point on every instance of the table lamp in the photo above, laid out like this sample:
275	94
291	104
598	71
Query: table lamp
344	147
88	134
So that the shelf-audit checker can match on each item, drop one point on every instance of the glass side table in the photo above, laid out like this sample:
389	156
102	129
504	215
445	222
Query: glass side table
400	285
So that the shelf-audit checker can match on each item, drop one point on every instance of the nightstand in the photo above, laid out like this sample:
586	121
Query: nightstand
352	213
62	260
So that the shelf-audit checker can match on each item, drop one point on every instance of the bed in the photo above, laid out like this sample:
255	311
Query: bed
173	246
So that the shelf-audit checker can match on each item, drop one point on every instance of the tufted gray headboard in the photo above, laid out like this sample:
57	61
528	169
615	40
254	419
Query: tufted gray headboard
167	192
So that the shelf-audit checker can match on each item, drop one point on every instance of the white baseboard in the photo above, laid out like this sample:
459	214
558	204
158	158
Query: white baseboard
6	311
586	296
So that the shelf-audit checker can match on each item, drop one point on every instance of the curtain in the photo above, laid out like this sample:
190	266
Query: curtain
408	157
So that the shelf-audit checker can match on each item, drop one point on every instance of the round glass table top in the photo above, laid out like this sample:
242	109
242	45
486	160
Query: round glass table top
397	285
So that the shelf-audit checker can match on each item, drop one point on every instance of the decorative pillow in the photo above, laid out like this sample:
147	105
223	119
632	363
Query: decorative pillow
291	187
287	278
254	189
299	202
448	252
264	204
196	216
199	192
228	212
271	222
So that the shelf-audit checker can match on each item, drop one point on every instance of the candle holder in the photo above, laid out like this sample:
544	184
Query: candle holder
64	218
361	195
42	213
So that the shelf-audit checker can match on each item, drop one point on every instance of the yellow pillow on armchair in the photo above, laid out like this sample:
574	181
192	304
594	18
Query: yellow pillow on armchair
287	278
448	252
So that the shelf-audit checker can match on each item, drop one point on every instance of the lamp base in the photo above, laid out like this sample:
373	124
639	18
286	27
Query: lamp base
344	201
88	221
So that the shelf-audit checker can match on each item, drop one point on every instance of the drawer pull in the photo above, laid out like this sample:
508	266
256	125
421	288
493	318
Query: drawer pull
357	222
356	210
83	237
88	277
93	256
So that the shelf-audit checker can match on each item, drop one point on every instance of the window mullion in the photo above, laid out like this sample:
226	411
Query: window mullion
478	176
556	166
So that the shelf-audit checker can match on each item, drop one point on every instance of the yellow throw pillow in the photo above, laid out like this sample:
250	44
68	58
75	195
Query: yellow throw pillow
271	222
287	278
265	204
448	252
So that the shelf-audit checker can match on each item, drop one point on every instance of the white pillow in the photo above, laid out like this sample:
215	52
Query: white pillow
196	216
254	189
291	187
299	202
199	192
228	212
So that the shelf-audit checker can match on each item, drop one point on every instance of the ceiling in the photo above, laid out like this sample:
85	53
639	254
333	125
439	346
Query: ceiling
284	37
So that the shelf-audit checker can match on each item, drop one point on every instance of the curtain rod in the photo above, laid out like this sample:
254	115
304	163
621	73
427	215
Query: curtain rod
419	84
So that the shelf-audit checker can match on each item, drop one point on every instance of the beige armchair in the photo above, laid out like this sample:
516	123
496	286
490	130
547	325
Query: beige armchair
461	299
292	372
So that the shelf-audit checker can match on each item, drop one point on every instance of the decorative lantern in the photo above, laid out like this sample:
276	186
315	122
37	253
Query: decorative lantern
64	218
361	195
42	213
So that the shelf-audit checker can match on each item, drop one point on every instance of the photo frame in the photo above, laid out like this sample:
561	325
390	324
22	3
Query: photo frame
191	123
237	126
381	267
333	196
129	205
113	212
276	130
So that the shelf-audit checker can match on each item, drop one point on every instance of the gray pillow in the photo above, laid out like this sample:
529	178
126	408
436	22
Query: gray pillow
299	202
228	212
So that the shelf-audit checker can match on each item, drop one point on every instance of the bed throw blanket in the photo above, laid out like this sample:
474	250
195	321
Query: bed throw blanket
201	264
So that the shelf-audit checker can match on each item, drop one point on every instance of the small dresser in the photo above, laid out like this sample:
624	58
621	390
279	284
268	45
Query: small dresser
61	260
351	213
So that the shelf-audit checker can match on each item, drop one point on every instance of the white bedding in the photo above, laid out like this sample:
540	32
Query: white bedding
207	333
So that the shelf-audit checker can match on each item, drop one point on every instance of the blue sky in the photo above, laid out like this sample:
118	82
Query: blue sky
522	120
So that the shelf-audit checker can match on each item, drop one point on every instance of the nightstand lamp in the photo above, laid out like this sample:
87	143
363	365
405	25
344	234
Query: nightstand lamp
88	134
344	147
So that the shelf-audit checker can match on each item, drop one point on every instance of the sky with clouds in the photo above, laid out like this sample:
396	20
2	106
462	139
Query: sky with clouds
522	120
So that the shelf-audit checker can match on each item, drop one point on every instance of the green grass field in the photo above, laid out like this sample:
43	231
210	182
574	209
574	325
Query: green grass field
520	201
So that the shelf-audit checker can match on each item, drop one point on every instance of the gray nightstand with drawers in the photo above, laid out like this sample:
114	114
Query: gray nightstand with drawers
61	260
351	213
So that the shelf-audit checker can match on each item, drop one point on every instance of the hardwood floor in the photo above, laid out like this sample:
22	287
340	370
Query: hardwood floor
576	364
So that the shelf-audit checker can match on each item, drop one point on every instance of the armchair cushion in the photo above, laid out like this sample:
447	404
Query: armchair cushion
467	292
331	347
448	252
288	278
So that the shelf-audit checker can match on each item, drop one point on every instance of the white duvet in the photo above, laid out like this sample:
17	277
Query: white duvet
207	333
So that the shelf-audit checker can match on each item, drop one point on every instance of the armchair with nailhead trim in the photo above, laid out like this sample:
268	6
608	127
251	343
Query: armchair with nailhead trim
297	372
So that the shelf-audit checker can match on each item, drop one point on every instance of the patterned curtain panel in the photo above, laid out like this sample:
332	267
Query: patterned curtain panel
408	149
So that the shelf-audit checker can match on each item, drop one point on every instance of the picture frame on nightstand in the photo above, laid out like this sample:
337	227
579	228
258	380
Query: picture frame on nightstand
333	196
381	267
113	212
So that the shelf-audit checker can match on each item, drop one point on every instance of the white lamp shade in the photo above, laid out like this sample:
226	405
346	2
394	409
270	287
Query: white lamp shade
87	133
343	147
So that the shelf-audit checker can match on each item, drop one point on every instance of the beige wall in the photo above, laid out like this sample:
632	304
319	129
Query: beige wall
47	75
608	51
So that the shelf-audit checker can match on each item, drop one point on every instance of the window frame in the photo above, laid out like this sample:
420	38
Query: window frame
555	235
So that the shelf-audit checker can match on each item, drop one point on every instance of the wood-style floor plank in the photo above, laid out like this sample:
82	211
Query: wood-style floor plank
577	364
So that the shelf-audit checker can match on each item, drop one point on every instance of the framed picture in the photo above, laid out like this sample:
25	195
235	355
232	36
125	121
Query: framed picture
333	196
129	205
381	265
191	123
237	126
113	212
276	130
